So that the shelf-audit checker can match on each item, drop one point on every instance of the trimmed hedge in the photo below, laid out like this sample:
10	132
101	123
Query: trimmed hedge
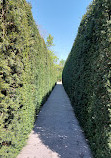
27	75
87	77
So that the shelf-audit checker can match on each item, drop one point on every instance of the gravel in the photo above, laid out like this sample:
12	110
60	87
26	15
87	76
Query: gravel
56	133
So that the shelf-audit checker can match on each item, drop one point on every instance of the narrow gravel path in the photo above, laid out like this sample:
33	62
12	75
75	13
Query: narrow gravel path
57	133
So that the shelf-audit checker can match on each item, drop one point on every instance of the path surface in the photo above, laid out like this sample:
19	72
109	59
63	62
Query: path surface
57	133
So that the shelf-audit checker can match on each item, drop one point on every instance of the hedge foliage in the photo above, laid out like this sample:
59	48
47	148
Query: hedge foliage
87	76
27	75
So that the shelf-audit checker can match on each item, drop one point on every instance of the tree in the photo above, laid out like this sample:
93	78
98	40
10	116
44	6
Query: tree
62	63
49	42
60	67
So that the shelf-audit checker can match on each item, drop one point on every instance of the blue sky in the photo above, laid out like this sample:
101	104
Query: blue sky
61	19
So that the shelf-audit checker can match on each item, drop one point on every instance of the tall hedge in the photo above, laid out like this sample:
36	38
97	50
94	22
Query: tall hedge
87	76
27	75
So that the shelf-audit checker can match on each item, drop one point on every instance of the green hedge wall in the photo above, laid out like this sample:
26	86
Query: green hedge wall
87	76
27	75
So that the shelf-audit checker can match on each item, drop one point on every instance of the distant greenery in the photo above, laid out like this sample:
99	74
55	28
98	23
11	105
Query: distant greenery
87	77
59	64
60	67
27	75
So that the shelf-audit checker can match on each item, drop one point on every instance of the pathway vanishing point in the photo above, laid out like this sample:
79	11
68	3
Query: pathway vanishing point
56	133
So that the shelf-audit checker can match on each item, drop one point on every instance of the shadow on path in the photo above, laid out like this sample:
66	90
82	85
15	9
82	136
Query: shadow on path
58	129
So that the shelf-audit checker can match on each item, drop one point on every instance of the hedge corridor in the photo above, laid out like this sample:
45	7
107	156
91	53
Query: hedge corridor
87	77
27	75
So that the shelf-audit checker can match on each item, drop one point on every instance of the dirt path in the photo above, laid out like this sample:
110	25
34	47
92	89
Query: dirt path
57	133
